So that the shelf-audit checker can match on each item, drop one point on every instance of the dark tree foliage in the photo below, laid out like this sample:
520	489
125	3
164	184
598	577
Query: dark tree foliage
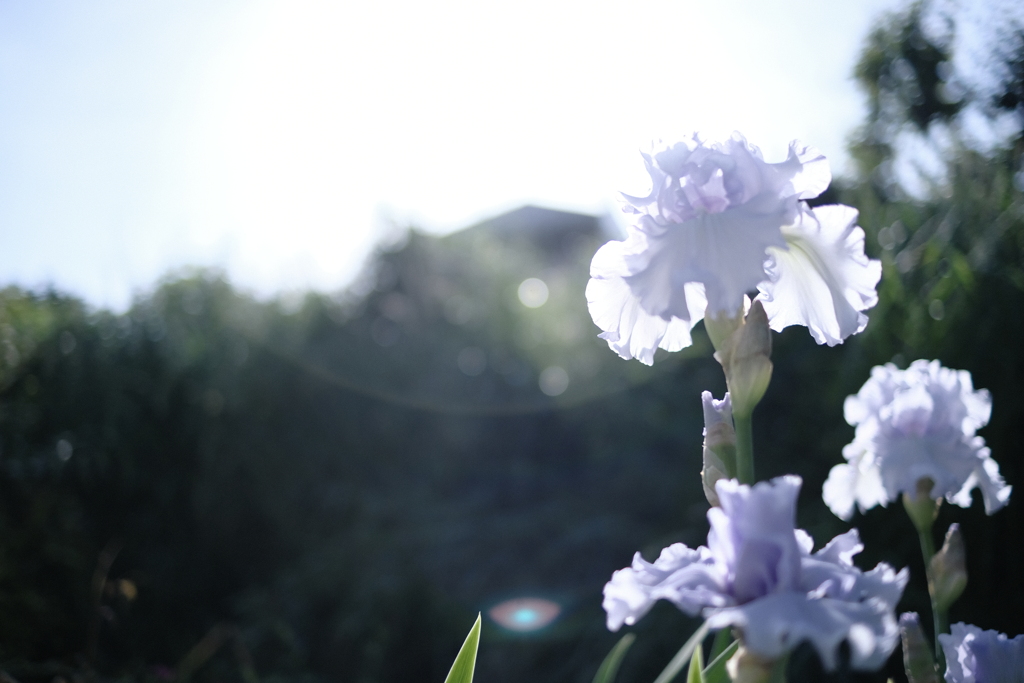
906	72
907	75
298	493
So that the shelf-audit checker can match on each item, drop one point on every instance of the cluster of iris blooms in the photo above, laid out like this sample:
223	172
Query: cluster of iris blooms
720	224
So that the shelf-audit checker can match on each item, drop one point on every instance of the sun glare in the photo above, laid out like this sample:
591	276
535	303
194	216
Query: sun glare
321	126
321	123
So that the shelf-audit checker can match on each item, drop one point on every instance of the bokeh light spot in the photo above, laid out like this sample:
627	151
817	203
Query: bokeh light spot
553	381
533	292
64	450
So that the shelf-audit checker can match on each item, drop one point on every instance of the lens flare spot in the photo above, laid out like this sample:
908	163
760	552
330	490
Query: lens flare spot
525	614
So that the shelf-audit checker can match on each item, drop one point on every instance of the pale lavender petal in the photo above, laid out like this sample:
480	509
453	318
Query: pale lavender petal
822	279
978	404
716	411
752	533
884	583
626	599
840	491
804	541
830	573
858	483
777	623
712	213
690	579
841	549
977	656
873	396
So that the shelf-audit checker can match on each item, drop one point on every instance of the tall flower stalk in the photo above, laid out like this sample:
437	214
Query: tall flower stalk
916	439
923	512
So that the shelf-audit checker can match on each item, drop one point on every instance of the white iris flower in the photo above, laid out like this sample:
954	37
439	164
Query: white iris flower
721	222
913	424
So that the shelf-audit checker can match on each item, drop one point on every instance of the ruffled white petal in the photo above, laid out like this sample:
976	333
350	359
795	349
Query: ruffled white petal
995	492
858	483
629	330
814	174
725	252
822	279
956	466
713	211
626	599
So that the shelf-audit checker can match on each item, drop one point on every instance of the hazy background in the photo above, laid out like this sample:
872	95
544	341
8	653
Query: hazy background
210	472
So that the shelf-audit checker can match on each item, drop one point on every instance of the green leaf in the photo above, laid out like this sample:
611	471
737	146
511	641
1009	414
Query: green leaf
610	666
696	674
465	661
715	671
722	640
683	656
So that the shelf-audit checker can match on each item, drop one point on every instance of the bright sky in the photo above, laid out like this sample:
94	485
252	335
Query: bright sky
279	140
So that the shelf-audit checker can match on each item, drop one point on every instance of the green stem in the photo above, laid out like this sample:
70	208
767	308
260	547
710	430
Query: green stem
939	619
744	449
778	674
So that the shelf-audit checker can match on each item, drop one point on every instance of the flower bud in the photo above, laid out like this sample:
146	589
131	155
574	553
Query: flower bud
921	507
917	656
746	667
745	357
947	573
719	444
